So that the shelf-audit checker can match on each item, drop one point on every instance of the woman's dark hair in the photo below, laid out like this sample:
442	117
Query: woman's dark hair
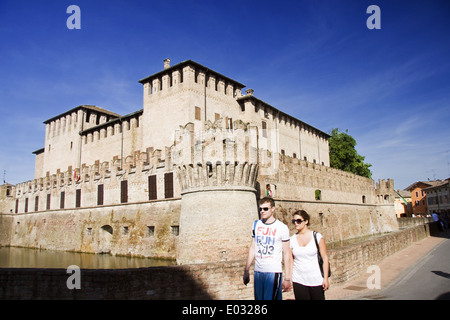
303	214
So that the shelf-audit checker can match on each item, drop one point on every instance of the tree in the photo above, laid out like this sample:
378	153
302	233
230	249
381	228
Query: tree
344	156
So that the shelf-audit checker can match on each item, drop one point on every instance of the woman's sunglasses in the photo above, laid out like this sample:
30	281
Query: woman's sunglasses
299	221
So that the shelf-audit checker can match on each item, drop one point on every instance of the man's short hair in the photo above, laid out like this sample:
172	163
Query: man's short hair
267	200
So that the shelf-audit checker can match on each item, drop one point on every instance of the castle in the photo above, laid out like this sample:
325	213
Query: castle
180	179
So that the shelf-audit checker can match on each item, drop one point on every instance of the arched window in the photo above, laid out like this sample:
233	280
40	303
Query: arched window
318	194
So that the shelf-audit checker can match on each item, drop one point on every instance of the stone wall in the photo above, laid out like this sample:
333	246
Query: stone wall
189	282
147	229
222	280
351	260
6	222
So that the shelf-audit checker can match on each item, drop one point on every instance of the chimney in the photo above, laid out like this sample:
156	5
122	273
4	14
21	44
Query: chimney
249	92
166	63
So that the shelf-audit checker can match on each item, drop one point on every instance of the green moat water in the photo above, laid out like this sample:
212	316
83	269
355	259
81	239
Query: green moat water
13	257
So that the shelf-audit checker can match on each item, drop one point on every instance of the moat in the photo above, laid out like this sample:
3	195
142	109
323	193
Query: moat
14	257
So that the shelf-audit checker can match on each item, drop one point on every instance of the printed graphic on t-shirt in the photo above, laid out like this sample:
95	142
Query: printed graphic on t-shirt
265	241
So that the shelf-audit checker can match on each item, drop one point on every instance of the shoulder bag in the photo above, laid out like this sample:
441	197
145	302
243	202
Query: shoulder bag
319	257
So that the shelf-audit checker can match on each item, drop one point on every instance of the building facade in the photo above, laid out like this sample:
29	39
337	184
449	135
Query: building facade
138	183
438	197
419	196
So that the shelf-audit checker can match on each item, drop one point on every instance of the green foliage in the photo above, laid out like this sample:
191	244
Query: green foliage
344	156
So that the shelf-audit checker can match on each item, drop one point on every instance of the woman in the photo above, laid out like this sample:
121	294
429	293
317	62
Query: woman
268	191
309	284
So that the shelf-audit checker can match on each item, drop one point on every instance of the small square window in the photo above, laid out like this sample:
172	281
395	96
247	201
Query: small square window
175	230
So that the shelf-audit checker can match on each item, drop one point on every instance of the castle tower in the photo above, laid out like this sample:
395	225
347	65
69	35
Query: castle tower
182	93
385	205
217	170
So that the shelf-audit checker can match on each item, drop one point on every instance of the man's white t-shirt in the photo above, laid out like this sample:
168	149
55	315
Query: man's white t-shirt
269	240
306	265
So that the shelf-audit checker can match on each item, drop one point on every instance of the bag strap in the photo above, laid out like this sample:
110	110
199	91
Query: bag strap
315	240
254	227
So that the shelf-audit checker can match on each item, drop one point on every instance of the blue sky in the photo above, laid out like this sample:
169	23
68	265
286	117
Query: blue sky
316	60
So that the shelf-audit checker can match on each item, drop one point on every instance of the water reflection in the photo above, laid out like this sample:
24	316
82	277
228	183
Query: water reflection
12	257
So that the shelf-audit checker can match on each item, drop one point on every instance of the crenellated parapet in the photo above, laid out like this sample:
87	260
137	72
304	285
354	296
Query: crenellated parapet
79	187
215	157
385	191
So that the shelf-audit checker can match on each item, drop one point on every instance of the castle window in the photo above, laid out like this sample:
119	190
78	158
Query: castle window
48	201
175	230
26	205
78	198
62	200
168	185
36	203
100	194
152	190
363	199
209	169
264	129
197	113
318	194
125	230
124	191
228	123
150	231
17	206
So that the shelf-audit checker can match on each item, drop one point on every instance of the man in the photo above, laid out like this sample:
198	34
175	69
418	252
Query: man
270	242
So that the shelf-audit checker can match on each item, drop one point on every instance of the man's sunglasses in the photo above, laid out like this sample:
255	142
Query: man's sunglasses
264	209
299	221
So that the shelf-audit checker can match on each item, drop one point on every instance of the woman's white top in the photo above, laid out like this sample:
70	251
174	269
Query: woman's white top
306	265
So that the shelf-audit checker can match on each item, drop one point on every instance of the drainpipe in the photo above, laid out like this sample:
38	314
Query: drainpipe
121	143
80	147
206	73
